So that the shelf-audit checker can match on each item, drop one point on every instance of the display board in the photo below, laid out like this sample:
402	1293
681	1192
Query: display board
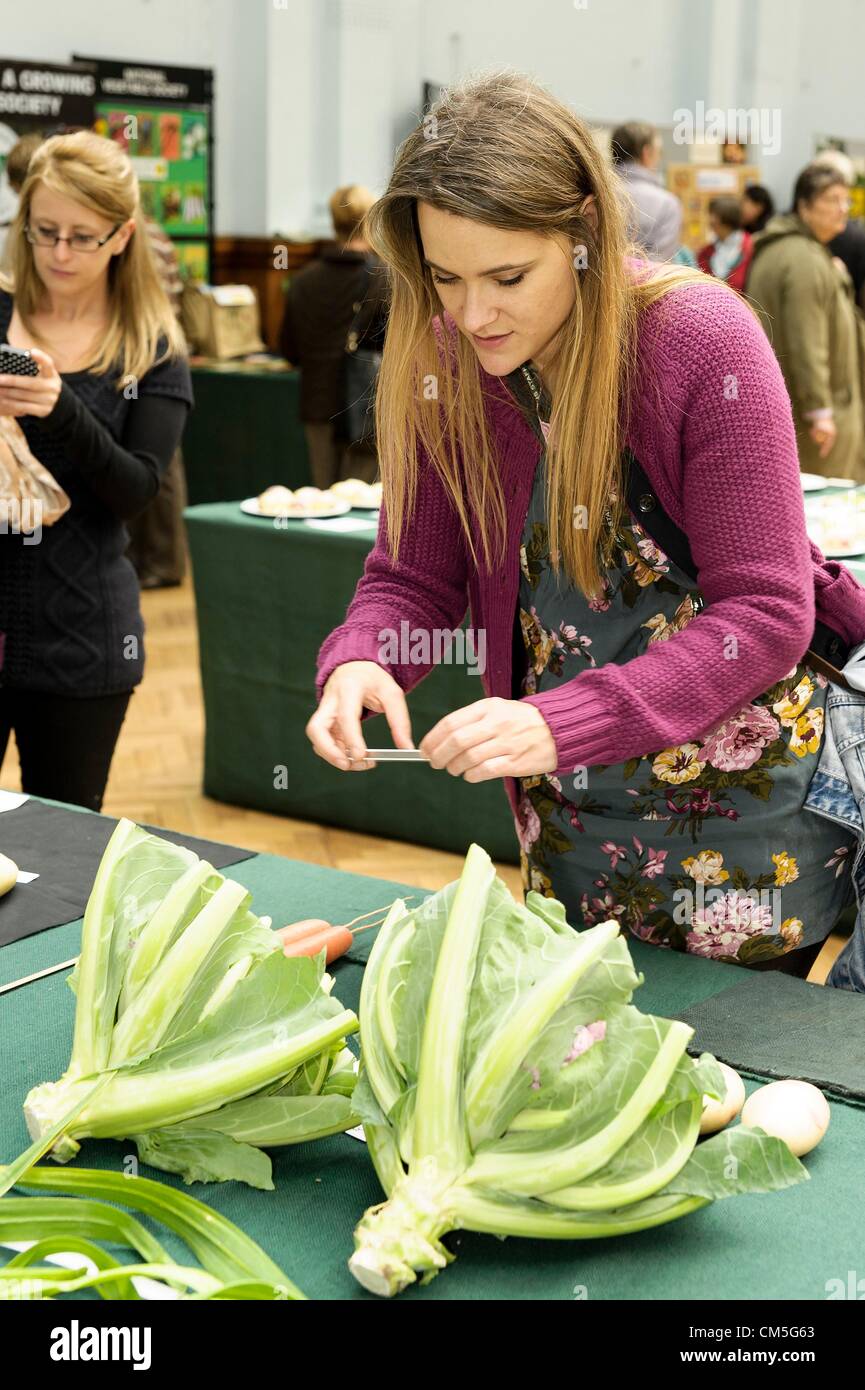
697	184
49	97
163	118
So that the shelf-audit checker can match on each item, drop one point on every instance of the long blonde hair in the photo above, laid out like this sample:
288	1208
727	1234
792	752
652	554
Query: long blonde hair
97	174
500	149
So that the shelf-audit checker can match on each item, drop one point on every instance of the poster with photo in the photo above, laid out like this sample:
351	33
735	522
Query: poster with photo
169	153
163	118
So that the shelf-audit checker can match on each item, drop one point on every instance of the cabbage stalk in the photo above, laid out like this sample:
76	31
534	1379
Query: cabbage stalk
195	1036
508	1085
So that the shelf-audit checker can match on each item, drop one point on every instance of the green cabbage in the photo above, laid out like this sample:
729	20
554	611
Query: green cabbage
195	1036
507	1084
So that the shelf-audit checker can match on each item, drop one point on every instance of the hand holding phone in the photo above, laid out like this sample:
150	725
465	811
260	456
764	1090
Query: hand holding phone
29	382
17	361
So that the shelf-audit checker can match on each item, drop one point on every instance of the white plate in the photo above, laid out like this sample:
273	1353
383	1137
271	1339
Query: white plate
251	508
814	482
838	548
854	551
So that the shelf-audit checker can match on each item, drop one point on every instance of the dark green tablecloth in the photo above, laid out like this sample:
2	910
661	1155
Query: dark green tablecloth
266	598
781	1245
244	433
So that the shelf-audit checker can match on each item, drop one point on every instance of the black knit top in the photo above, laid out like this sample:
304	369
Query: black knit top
70	619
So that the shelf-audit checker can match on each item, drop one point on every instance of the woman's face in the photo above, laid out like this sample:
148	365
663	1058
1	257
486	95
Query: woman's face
750	211
64	271
509	292
826	214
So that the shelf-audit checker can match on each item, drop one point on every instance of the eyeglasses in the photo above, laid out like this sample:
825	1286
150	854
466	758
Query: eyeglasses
78	241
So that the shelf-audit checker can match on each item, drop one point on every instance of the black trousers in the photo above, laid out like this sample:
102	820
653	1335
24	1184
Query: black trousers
65	743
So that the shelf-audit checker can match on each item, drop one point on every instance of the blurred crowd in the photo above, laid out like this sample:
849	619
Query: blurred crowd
803	271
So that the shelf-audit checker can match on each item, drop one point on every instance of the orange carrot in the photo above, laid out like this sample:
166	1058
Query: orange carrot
306	938
296	931
337	940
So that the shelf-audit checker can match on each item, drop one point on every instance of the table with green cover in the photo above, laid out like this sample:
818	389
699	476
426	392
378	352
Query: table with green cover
782	1245
245	432
267	595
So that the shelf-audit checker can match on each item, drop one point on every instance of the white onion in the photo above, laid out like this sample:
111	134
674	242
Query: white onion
718	1113
794	1111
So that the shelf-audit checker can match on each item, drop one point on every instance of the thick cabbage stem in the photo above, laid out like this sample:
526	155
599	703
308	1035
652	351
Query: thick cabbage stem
400	1240
45	1106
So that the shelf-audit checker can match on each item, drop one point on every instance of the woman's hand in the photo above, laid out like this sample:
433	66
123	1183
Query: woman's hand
492	738
335	729
31	395
824	433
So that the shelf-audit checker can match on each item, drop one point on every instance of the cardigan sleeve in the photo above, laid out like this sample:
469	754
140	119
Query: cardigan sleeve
738	498
426	591
839	596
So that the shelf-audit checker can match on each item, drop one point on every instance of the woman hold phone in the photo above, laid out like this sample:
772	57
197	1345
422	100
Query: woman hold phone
656	735
104	415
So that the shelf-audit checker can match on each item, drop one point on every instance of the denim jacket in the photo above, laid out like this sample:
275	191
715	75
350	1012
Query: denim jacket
837	792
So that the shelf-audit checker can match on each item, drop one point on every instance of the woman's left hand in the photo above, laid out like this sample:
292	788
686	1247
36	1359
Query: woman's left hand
492	738
31	395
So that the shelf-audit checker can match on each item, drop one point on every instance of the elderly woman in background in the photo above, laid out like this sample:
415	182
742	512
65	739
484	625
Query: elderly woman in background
805	299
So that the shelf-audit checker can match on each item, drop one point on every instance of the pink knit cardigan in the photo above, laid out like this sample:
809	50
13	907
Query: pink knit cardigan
715	436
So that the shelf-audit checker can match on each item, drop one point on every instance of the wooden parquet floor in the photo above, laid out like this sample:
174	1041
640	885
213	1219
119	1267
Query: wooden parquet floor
157	771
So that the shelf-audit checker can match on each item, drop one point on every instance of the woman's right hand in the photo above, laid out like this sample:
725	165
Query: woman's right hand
335	728
824	433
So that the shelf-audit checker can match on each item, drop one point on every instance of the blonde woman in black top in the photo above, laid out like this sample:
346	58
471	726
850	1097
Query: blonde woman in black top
104	415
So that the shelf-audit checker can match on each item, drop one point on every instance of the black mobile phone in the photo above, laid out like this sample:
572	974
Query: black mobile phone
17	361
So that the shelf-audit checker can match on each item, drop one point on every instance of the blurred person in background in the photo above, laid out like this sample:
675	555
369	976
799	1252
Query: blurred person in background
758	206
104	416
157	546
17	162
733	152
729	255
655	219
849	245
804	297
323	302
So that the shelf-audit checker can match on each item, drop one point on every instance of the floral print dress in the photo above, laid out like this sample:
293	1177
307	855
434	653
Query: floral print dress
705	847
